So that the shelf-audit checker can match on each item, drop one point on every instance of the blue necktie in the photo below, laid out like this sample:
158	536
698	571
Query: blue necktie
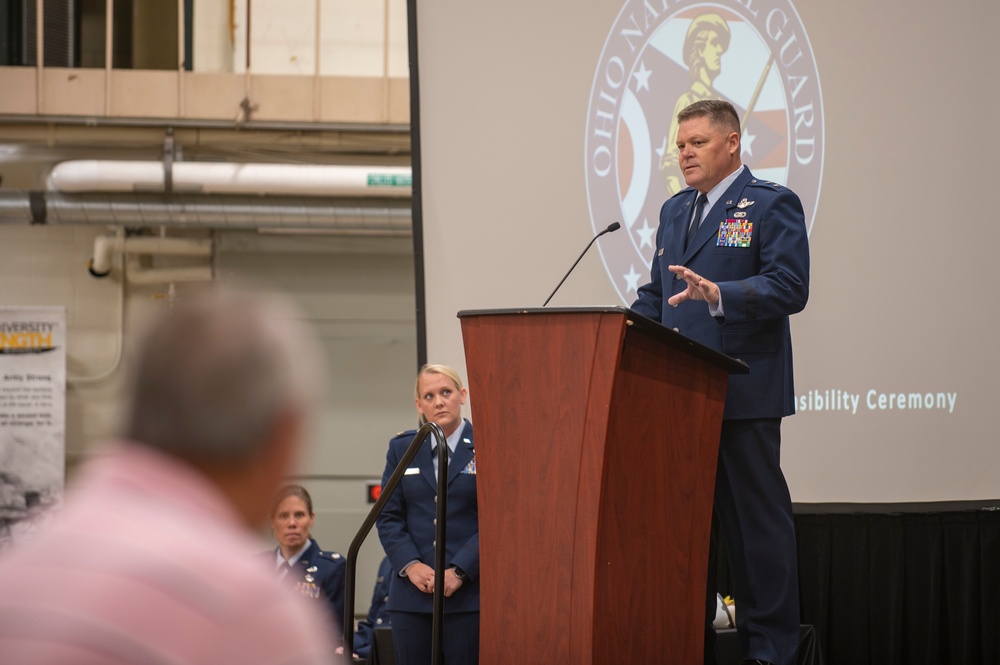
699	206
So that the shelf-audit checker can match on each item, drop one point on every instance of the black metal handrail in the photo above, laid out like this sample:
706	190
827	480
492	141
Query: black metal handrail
350	574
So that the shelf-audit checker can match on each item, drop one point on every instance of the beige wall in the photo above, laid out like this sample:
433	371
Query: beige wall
358	72
357	291
357	37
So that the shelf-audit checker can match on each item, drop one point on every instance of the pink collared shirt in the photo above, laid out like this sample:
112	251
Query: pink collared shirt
149	564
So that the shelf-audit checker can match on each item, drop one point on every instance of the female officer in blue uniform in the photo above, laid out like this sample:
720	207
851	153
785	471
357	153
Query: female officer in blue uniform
298	559
407	530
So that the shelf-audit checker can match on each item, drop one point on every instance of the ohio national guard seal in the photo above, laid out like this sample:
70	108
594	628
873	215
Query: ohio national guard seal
662	55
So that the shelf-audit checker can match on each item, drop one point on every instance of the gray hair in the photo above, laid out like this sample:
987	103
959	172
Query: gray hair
213	376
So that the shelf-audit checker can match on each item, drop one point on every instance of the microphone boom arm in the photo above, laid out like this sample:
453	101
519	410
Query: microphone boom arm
611	227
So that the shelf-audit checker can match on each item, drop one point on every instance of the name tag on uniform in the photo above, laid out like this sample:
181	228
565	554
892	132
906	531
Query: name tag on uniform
735	233
412	471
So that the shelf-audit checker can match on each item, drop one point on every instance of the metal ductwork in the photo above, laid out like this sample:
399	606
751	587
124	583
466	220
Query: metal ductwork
348	216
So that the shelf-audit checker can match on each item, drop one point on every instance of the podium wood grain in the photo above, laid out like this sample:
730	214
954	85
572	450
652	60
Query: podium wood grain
596	448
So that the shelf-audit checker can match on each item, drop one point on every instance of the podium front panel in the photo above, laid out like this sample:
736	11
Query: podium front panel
595	450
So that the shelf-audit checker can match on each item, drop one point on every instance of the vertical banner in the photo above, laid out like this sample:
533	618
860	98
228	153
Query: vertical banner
32	417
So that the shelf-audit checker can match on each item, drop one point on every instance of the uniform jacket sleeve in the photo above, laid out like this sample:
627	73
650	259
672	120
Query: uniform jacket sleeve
391	524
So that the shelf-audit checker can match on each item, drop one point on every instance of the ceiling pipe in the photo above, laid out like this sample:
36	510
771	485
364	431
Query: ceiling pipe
303	126
348	217
78	176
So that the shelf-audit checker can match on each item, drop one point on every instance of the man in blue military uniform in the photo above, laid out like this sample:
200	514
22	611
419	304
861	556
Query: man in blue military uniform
298	560
407	529
378	611
731	265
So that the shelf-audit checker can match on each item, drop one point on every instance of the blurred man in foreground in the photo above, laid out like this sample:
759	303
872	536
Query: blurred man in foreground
150	561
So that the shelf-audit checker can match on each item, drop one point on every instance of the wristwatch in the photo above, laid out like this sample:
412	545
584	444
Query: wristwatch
460	574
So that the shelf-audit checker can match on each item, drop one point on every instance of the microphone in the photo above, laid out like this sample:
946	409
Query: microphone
611	227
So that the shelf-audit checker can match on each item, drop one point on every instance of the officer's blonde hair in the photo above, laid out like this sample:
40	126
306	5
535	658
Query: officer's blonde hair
444	370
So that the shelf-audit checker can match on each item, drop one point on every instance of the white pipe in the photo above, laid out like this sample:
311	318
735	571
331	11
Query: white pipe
105	246
169	246
229	178
119	345
136	274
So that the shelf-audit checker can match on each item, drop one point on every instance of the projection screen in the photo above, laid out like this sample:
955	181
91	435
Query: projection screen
543	122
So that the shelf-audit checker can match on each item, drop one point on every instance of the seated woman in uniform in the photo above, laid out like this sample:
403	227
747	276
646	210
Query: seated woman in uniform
316	574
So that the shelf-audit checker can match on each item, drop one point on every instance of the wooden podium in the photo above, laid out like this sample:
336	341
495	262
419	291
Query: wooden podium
597	432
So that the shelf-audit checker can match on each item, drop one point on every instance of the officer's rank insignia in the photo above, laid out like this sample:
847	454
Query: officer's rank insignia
735	233
745	204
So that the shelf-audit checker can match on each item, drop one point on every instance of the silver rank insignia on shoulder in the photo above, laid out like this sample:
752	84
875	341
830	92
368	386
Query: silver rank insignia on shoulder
745	204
